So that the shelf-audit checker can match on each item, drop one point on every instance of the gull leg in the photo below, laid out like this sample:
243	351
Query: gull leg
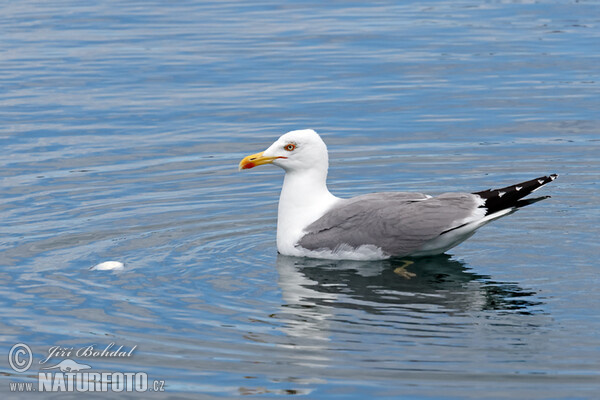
401	270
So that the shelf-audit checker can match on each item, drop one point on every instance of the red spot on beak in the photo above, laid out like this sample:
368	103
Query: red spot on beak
254	160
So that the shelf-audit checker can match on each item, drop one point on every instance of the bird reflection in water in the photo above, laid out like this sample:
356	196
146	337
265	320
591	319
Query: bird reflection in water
377	286
349	315
330	306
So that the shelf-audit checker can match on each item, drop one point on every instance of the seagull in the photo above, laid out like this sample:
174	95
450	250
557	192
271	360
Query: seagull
314	223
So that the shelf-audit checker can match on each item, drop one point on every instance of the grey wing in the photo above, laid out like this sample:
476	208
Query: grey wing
398	223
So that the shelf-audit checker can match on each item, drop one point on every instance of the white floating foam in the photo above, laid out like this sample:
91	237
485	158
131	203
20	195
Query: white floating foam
108	266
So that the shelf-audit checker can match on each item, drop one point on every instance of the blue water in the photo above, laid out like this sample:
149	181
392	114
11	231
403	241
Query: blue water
122	124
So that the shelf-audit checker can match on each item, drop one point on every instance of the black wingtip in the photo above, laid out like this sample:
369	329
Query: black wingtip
526	202
510	196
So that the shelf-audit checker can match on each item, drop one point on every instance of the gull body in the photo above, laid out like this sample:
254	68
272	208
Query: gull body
312	222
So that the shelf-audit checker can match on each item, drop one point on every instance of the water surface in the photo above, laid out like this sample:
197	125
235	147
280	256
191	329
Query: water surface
122	126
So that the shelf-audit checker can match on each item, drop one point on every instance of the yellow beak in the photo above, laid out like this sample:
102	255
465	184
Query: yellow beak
255	160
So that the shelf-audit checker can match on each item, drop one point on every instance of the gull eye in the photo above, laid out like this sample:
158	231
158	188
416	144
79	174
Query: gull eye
289	147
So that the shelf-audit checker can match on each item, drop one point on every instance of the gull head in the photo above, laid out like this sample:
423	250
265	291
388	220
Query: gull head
294	151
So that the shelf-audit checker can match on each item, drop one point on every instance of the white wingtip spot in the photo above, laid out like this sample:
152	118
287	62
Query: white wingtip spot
500	194
541	181
108	266
553	177
517	188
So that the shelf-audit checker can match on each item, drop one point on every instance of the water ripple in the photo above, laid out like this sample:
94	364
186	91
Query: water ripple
123	124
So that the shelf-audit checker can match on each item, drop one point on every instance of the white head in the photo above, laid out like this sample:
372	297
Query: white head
304	194
295	151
